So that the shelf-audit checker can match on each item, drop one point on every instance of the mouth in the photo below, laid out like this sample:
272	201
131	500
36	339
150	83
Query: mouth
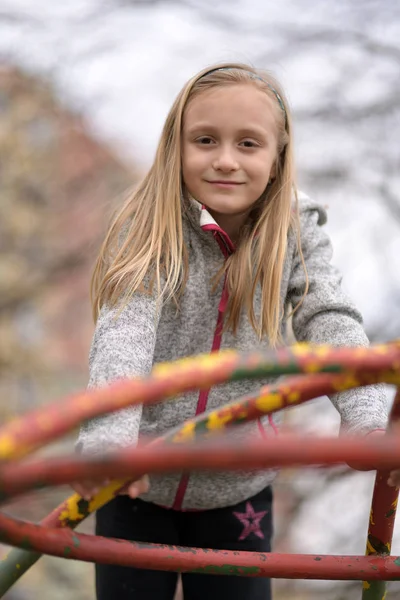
226	184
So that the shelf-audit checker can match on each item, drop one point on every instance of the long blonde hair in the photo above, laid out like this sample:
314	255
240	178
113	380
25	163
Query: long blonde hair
145	245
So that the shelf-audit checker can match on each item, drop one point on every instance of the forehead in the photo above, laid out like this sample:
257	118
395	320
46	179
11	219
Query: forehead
232	105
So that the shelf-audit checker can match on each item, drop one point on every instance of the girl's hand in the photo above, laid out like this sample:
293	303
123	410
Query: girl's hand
136	488
394	478
88	489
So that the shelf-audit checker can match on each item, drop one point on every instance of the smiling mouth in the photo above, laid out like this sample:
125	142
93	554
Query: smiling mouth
227	183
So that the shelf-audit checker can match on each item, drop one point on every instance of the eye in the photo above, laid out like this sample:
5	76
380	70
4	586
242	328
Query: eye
204	140
249	144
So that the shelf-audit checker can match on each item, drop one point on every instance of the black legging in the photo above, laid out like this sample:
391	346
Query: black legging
246	526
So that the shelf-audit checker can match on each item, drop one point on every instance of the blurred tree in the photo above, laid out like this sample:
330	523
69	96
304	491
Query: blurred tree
57	188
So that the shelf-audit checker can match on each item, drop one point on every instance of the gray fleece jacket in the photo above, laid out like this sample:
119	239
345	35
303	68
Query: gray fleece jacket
143	336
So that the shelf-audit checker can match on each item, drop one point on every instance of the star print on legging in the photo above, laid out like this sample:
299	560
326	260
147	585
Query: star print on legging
251	521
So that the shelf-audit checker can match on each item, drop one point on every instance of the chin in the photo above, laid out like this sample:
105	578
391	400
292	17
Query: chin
221	202
221	208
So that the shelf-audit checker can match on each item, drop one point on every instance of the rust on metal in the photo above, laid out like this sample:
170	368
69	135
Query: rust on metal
317	370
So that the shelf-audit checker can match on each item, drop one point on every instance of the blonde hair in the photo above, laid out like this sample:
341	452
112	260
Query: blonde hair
145	245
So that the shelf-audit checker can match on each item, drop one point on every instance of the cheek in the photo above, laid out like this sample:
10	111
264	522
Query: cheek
192	166
188	159
185	168
190	172
262	168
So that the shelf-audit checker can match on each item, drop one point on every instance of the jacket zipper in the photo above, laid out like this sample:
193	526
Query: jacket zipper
227	247
203	395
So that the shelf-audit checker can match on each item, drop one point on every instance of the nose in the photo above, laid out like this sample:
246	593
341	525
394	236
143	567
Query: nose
225	160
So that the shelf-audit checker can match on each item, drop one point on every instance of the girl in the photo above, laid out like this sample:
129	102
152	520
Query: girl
213	250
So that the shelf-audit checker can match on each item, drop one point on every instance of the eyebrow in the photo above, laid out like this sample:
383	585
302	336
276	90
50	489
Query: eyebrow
243	131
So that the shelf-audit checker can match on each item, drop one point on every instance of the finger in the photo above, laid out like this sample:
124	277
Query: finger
139	487
82	491
145	483
86	490
76	488
89	493
394	480
95	488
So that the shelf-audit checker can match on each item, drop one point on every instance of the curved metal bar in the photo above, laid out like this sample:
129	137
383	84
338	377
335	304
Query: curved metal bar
382	518
358	367
65	543
209	455
270	398
294	390
167	380
287	450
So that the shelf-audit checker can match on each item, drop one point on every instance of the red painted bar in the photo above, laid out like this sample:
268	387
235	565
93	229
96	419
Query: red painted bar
287	450
359	366
45	424
382	517
65	543
293	390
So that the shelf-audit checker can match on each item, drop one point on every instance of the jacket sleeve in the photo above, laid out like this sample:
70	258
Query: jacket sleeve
122	347
327	316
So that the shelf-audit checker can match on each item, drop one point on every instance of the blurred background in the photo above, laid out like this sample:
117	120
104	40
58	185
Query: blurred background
84	89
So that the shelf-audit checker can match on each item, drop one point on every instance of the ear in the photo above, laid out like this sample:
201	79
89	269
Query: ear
272	174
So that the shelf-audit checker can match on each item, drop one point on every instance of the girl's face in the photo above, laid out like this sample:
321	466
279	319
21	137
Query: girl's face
229	148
